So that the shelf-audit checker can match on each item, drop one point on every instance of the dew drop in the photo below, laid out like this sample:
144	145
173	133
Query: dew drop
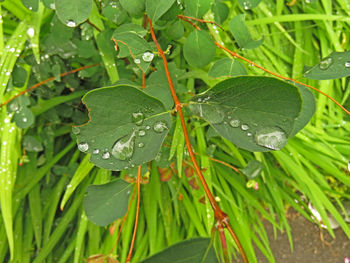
96	151
147	56
141	133
30	32
148	127
53	6
123	149
325	64
75	130
249	134
347	64
141	144
24	119
70	23
138	117
349	166
106	155
160	126
244	127
271	137
137	61
235	123
83	146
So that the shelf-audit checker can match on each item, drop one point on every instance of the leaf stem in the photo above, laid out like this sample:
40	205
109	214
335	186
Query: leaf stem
138	183
219	215
46	81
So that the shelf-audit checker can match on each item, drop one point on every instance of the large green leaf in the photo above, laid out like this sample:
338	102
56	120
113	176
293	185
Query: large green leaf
199	49
126	127
336	65
73	12
227	67
106	202
197	8
31	4
255	113
241	33
308	108
134	7
156	8
196	250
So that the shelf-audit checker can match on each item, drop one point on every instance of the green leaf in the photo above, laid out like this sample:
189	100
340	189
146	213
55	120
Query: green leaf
253	169
241	33
197	8
134	7
19	76
196	250
227	67
32	5
255	113
106	202
32	144
156	8
199	49
126	128
308	108
220	11
73	12
248	4
175	31
336	65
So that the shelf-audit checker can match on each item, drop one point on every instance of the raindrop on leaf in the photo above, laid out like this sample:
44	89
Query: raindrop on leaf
141	144
70	23
106	155
325	64
138	117
141	133
147	56
123	149
96	151
83	146
244	127
75	130
347	64
235	123
160	126
271	137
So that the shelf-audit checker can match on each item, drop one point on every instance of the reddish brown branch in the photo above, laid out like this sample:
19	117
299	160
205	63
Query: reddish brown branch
219	215
223	242
187	18
138	183
46	81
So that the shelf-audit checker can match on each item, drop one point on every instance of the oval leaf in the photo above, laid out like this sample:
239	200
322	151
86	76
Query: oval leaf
248	4
196	250
73	12
126	128
106	202
134	7
155	9
241	33
197	8
336	65
308	108
199	49
227	67
255	113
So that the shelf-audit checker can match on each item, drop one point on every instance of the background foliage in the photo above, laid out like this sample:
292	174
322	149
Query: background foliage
45	176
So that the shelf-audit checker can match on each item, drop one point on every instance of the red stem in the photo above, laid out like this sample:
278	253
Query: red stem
138	183
223	242
46	81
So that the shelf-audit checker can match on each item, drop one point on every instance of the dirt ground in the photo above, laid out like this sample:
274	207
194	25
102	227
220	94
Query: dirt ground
308	244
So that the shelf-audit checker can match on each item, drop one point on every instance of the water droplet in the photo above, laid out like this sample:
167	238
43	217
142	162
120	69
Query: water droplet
24	119
70	23
137	61
325	64
96	151
106	155
235	123
271	137
141	144
83	146
53	6
147	56
141	133
123	149
138	117
347	64
349	166
148	127
160	126
249	134
244	127
8	73
75	130
30	32
12	49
